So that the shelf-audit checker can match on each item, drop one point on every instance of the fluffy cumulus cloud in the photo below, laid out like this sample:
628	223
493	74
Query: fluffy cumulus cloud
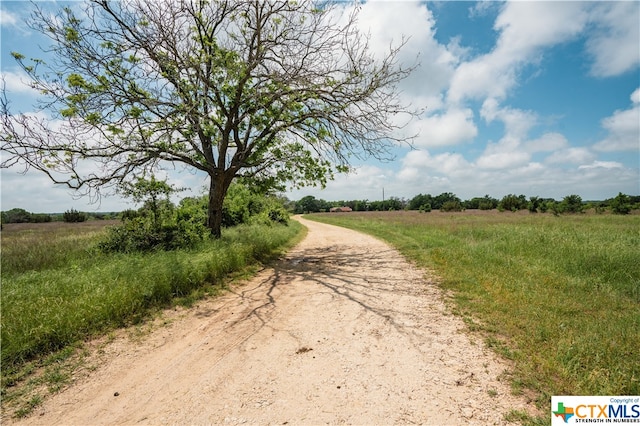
415	163
503	155
623	128
422	172
7	18
613	42
447	128
611	29
575	155
517	122
34	192
389	24
525	28
17	83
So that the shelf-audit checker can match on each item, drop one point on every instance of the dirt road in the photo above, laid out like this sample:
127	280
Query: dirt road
342	330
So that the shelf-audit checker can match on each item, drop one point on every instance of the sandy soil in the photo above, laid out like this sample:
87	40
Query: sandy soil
341	330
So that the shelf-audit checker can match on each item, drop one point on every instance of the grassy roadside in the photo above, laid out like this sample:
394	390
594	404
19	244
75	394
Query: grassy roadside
560	296
58	290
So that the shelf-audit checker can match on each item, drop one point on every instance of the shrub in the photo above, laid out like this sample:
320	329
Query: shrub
513	203
74	216
482	203
621	204
572	204
129	214
419	201
534	204
486	205
443	198
451	206
278	215
159	225
143	233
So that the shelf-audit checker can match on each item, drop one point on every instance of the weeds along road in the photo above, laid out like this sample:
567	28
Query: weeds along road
341	330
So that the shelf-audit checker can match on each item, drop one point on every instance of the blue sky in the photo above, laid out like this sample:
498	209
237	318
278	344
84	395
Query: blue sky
536	98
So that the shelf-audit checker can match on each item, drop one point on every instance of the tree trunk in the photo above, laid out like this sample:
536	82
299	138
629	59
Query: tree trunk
217	191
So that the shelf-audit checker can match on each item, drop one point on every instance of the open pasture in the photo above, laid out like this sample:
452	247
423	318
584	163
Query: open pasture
559	296
38	246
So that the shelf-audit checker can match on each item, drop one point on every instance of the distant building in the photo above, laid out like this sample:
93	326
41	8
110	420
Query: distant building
340	209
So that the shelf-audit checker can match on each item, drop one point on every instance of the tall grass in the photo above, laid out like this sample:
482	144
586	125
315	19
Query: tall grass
48	305
560	296
38	246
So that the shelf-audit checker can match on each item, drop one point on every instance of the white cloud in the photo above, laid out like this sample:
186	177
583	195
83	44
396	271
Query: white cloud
451	127
576	155
388	23
525	29
623	128
13	20
480	78
547	142
498	160
481	8
422	172
364	182
602	165
449	164
517	122
528	26
17	82
614	41
34	192
7	18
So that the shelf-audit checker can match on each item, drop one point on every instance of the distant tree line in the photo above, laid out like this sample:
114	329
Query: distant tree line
23	216
19	215
244	204
447	201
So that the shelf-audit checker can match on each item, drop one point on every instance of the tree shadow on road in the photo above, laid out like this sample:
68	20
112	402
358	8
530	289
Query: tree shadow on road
379	282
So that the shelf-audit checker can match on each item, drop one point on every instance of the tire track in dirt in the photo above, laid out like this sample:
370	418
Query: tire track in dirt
341	330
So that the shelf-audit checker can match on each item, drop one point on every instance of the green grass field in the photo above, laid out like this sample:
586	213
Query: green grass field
559	296
58	288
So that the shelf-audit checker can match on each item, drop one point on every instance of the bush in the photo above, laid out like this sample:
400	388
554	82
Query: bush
621	204
425	208
142	233
244	205
74	216
278	215
572	204
161	226
451	206
482	203
513	203
419	201
534	204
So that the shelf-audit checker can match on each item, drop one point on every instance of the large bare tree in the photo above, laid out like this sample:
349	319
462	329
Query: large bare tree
273	90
